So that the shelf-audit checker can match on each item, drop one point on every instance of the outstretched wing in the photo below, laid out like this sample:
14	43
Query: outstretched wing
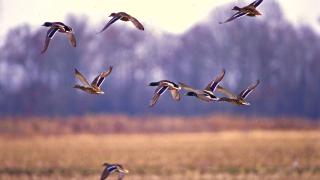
160	90
235	16
72	39
81	77
175	94
104	174
247	91
100	78
114	19
136	23
226	92
50	34
256	3
215	82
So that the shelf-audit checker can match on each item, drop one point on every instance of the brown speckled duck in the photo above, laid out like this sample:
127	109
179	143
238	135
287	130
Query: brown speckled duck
124	17
249	10
94	87
162	87
237	99
58	27
111	168
206	94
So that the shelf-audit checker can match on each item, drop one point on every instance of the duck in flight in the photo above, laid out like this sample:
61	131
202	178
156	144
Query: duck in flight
164	85
206	94
111	168
237	99
95	86
124	17
249	10
55	27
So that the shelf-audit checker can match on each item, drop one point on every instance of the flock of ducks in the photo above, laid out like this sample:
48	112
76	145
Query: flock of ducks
206	94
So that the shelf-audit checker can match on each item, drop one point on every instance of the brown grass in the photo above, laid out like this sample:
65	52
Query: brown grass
176	156
103	124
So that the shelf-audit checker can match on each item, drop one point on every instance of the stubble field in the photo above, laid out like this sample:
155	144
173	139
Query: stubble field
178	156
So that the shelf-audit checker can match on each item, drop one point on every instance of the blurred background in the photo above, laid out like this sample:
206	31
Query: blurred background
46	125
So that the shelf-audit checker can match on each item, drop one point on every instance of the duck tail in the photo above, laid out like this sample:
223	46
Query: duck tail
236	8
47	24
154	84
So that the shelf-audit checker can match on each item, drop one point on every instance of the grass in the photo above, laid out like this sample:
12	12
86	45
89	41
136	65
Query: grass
111	124
176	156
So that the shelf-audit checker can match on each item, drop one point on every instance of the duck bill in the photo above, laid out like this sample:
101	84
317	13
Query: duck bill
124	171
258	13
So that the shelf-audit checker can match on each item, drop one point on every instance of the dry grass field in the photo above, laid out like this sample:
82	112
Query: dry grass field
221	155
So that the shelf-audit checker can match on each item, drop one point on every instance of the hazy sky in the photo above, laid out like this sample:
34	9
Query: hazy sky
174	16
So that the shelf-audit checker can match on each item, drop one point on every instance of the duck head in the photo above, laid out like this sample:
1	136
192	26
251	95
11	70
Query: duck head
105	164
190	94
112	15
243	102
47	24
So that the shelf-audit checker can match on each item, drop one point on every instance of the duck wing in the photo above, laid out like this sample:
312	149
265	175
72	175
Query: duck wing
215	82
226	92
105	173
233	17
160	90
114	19
136	23
247	91
72	39
256	3
50	34
100	78
81	77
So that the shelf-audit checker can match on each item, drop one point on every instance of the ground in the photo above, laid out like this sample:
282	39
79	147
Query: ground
220	155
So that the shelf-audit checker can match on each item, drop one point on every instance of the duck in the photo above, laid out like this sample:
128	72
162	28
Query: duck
207	93
58	27
95	86
249	10
239	99
124	17
111	168
164	85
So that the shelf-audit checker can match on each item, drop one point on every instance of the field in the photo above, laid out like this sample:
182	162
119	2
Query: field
252	154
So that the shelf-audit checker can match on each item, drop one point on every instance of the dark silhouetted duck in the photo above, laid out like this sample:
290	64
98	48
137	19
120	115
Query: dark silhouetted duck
249	10
162	87
206	94
124	17
111	168
58	27
237	99
94	87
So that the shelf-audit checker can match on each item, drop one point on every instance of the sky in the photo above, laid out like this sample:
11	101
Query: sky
166	15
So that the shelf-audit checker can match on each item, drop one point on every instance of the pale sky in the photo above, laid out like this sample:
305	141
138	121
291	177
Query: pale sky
174	16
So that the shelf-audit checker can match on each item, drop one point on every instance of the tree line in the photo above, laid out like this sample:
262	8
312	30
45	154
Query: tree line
284	57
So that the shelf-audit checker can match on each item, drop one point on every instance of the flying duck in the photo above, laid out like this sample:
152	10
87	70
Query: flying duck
249	10
237	99
162	87
58	27
111	168
124	17
206	94
94	87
